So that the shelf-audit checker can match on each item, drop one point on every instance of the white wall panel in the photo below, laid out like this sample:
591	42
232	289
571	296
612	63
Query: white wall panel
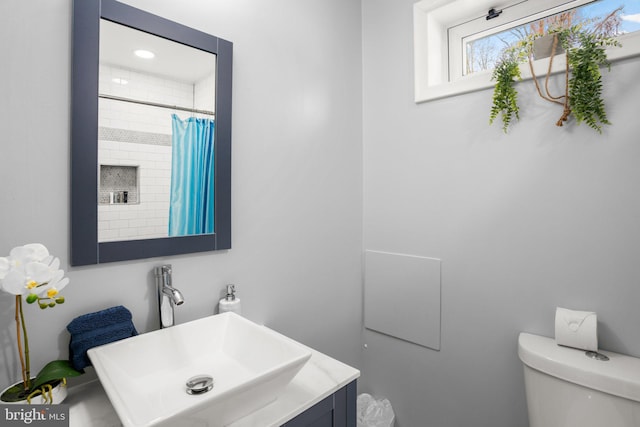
402	297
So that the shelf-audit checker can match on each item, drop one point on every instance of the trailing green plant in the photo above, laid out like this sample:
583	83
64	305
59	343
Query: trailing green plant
585	52
585	82
505	96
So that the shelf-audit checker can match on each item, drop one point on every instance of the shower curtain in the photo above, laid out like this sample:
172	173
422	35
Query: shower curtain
192	177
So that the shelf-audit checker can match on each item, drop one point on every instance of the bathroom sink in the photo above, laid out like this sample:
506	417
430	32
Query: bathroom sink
145	376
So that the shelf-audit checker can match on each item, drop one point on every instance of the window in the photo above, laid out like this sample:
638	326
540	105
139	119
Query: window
457	43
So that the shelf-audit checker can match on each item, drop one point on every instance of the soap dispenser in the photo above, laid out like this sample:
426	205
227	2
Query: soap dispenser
230	302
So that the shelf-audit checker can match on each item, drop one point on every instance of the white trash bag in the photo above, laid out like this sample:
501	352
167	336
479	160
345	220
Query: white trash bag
374	412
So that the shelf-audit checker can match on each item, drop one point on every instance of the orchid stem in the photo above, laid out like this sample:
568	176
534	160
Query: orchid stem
20	354
26	368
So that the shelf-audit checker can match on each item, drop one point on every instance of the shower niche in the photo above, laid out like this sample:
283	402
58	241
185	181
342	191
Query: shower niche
118	185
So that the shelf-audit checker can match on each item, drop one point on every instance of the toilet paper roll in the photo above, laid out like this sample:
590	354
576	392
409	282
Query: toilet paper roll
578	329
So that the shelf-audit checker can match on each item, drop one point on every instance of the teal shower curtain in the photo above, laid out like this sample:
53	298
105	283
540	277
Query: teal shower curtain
192	177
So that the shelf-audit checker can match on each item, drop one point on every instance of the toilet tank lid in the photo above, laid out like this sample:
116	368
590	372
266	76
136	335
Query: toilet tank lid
620	375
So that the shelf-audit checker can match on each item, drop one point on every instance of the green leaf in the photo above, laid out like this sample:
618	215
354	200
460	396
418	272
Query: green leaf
54	370
16	393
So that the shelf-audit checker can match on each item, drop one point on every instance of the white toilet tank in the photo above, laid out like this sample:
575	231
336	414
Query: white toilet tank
566	388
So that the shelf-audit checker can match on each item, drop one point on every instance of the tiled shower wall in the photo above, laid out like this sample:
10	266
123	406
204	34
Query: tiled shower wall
140	136
204	94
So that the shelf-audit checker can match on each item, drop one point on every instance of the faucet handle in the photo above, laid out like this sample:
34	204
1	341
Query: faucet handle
166	274
162	270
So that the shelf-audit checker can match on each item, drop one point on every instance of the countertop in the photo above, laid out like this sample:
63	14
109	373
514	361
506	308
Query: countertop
320	377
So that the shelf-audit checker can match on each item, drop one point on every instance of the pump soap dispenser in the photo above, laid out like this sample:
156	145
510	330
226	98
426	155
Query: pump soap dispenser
230	302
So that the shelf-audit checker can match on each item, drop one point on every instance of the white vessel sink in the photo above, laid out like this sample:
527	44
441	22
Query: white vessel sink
145	376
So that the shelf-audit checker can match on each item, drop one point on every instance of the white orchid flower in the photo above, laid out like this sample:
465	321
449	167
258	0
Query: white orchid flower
5	266
15	282
32	274
24	278
55	282
30	270
29	252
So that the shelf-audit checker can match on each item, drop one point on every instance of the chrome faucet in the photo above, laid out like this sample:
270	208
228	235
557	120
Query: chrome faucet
168	296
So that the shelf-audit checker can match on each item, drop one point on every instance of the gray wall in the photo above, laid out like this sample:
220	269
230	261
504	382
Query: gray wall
297	175
524	222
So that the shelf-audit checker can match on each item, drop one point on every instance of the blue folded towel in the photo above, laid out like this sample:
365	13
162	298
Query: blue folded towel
94	329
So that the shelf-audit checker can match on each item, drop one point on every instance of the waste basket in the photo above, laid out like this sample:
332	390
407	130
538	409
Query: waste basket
374	412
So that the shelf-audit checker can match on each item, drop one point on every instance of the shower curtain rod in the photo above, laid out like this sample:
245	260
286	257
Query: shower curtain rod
155	104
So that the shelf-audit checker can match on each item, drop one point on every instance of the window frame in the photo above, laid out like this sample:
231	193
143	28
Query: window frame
511	17
437	21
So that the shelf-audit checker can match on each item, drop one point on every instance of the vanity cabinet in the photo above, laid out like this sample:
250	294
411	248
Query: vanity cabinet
337	410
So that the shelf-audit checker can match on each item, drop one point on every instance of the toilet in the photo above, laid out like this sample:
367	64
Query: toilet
565	387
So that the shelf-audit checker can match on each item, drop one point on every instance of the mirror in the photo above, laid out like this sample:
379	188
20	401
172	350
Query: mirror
133	127
150	174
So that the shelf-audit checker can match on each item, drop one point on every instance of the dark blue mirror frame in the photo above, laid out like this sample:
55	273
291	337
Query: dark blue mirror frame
85	248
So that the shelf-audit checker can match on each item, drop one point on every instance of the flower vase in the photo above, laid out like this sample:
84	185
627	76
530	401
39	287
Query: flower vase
54	396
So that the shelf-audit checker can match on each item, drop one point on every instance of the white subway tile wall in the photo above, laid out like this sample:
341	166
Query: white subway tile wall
149	218
205	94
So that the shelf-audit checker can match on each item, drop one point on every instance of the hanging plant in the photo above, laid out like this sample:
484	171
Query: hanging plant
585	54
585	83
505	96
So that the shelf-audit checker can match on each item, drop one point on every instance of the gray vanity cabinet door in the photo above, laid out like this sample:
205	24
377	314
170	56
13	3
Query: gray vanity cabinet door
337	410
